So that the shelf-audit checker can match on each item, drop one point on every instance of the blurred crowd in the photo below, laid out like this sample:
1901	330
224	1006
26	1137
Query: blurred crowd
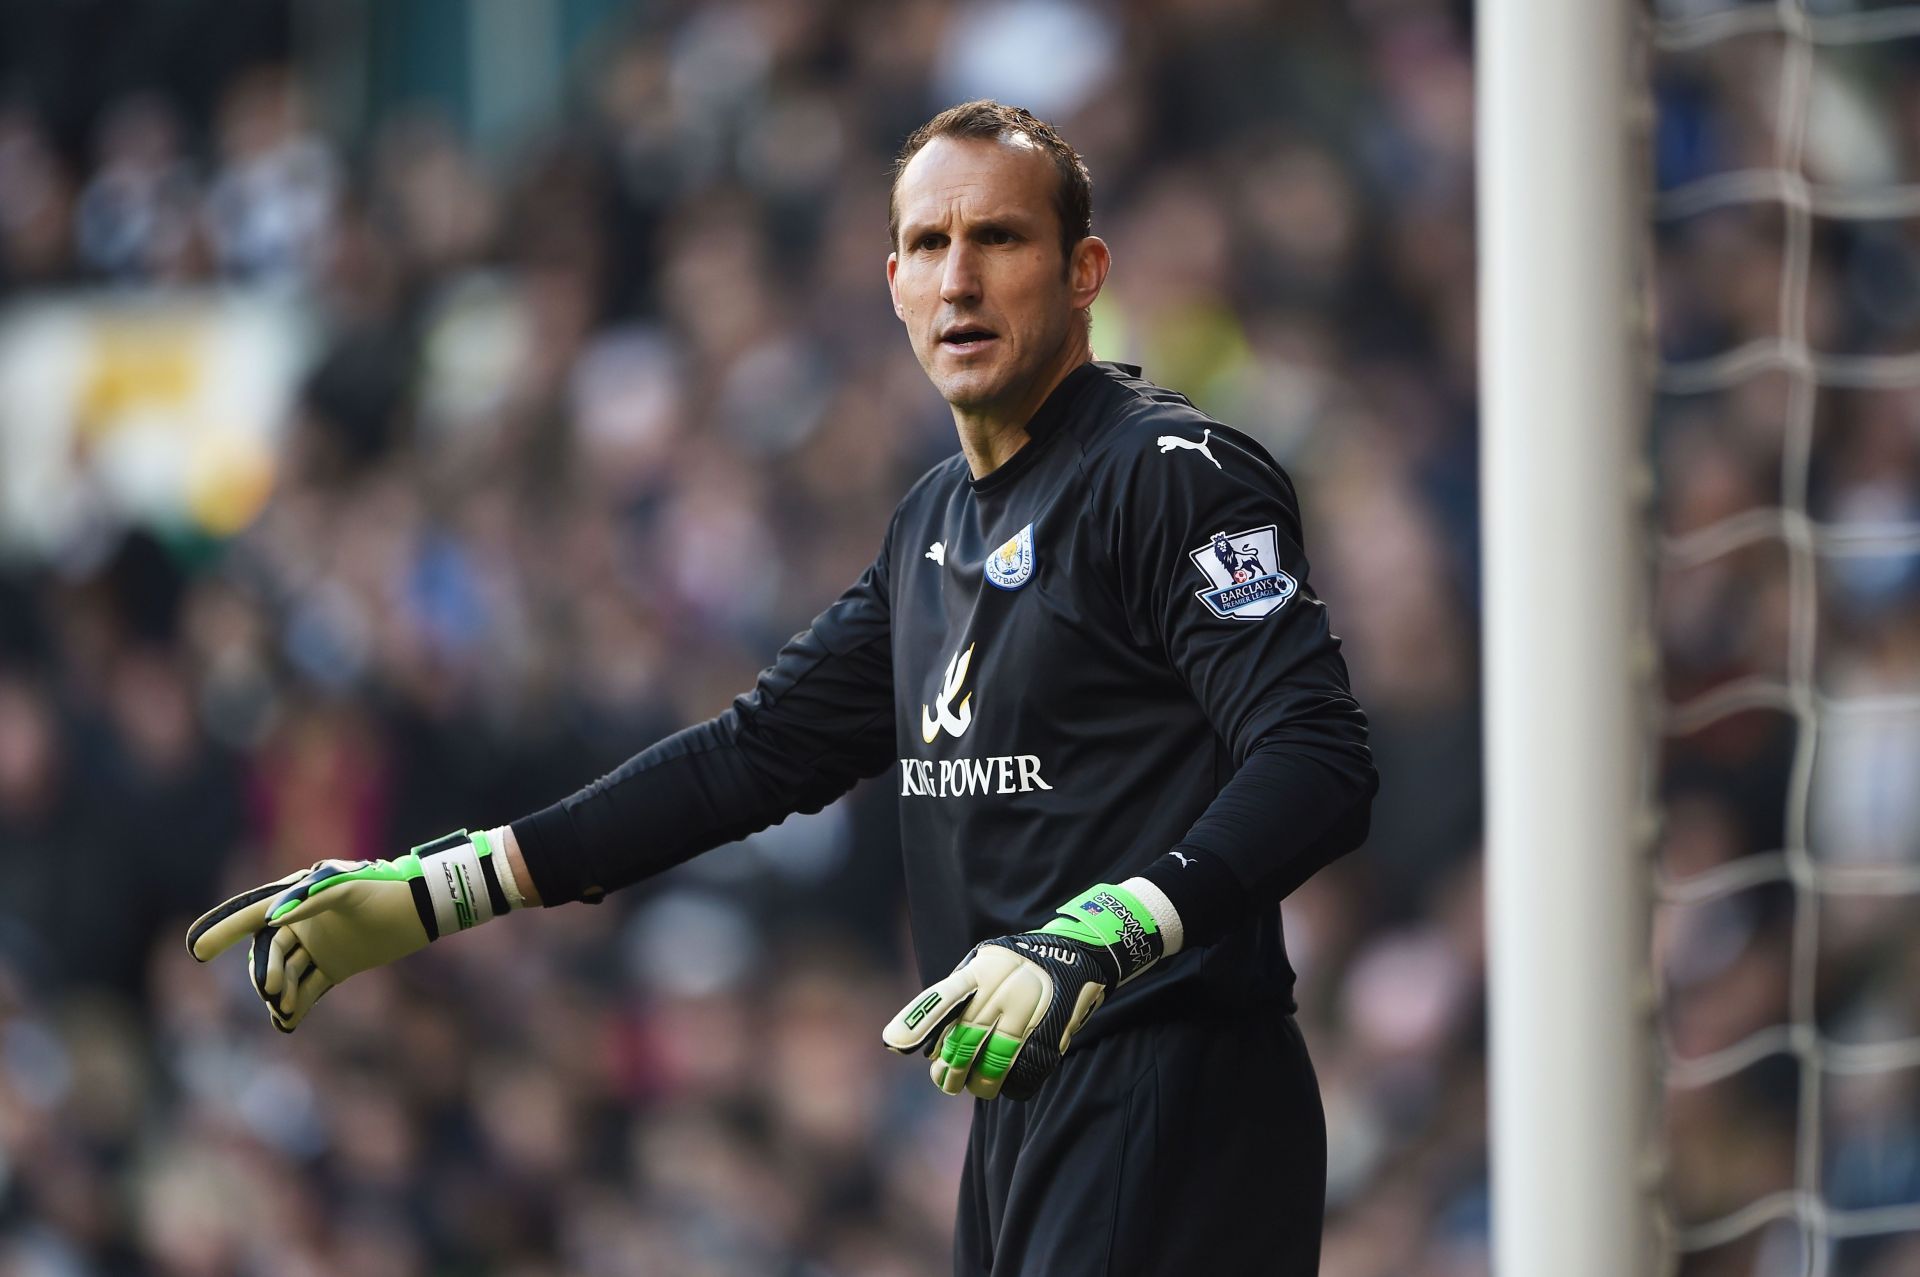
596	422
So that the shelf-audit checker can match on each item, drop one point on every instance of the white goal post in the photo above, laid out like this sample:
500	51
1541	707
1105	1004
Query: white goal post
1562	419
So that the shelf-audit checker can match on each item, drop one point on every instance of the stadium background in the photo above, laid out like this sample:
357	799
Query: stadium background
409	409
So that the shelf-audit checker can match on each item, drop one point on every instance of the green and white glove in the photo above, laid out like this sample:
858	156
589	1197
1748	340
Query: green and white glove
1000	1023
314	928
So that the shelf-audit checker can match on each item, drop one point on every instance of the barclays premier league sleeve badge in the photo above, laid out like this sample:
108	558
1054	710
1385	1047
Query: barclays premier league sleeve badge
1010	566
1244	571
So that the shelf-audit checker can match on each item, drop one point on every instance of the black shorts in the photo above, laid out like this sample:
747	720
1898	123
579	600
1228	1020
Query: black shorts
1191	1146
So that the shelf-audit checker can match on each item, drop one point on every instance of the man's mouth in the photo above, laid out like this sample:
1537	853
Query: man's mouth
965	339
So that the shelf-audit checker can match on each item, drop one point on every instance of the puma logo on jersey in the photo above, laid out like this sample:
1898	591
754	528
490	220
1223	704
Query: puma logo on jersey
942	715
938	552
1169	442
1182	857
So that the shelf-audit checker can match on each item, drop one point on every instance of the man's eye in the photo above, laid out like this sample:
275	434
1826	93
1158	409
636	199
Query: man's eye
930	242
998	236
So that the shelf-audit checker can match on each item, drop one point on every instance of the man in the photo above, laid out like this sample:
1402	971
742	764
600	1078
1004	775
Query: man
1117	747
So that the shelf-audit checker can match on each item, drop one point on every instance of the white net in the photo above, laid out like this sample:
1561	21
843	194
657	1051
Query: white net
1787	431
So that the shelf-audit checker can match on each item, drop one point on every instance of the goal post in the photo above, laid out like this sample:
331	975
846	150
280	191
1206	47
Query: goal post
1562	419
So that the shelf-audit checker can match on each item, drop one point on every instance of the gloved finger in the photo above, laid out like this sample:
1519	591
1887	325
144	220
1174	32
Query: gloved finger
316	890
274	978
1018	1004
918	1025
232	920
995	1062
1091	996
959	1050
259	956
312	987
297	965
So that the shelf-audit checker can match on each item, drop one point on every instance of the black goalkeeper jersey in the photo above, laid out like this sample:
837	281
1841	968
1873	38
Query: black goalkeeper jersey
1102	659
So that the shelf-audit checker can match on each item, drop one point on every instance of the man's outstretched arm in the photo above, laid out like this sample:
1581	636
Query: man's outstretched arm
818	719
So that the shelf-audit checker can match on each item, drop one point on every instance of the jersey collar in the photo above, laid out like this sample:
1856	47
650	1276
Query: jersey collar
1047	420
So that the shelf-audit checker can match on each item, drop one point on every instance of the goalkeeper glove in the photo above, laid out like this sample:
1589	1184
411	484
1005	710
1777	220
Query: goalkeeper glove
314	928
1000	1023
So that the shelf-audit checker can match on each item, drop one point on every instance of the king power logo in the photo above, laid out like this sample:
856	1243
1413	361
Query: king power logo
963	777
970	777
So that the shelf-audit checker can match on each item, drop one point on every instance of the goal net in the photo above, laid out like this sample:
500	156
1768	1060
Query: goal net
1785	434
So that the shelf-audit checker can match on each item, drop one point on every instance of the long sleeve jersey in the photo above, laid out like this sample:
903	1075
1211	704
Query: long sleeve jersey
1102	659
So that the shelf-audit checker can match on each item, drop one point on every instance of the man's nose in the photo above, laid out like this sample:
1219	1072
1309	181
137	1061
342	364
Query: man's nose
960	274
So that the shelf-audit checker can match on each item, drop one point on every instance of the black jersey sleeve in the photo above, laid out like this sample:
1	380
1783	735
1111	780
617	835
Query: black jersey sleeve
1209	548
817	720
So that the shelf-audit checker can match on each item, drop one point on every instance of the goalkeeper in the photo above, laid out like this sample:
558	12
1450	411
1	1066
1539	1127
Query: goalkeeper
1120	729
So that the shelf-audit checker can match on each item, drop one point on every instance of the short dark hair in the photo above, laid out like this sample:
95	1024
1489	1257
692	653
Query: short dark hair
985	119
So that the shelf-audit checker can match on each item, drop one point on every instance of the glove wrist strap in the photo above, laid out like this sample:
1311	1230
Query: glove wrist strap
1115	920
460	876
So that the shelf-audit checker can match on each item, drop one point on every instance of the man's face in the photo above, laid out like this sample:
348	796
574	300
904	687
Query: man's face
977	274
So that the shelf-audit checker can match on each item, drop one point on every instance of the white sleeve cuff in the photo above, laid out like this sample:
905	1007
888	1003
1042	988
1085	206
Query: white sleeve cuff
1173	934
503	868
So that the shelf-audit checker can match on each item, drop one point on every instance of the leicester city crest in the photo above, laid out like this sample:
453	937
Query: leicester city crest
1010	566
1243	570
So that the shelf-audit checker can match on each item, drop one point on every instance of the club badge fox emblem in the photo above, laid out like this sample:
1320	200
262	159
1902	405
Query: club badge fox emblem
1011	566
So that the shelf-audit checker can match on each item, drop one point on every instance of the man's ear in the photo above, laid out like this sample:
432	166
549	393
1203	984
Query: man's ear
1087	270
893	288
